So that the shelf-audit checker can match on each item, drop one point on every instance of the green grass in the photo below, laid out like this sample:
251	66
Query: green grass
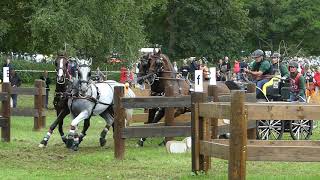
22	159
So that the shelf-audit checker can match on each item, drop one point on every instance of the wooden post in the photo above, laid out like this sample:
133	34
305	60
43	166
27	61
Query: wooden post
238	138
213	91
252	133
169	112
5	130
38	105
119	123
199	131
44	92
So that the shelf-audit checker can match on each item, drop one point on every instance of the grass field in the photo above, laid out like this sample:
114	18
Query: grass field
22	159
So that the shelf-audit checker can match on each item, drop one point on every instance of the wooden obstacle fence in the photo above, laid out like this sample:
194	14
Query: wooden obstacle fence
238	149
171	127
37	112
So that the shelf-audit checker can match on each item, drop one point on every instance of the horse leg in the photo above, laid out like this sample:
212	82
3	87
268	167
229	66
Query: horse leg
86	126
73	137
159	115
154	116
107	116
61	115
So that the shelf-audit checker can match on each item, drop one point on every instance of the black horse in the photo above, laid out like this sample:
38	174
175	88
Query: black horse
66	75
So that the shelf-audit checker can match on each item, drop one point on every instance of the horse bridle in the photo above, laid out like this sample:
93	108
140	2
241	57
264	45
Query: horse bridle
63	70
83	65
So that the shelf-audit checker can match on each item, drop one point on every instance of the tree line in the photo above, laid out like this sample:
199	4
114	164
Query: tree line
183	28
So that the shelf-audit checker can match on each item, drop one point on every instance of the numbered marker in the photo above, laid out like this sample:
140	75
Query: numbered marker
213	77
198	81
5	74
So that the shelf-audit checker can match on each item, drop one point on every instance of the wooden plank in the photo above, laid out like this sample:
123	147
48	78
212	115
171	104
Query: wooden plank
265	111
169	131
250	97
161	124
219	110
238	137
283	111
284	153
24	91
287	151
24	112
273	142
143	117
251	88
213	149
3	96
156	101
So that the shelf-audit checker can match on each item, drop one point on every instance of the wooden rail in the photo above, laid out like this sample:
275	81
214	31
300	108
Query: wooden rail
239	149
38	112
172	127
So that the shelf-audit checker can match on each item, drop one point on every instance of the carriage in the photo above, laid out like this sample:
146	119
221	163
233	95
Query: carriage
278	90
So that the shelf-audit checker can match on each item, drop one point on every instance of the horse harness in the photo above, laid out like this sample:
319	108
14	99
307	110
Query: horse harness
91	98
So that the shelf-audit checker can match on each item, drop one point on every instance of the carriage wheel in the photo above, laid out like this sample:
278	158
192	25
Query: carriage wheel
270	129
301	129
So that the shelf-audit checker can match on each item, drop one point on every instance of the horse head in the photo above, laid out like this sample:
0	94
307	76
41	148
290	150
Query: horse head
61	64
84	74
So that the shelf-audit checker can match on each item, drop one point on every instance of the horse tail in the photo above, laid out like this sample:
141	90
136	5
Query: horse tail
131	94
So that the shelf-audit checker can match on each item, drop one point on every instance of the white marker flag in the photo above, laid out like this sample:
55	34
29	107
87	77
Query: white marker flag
5	74
213	77
198	81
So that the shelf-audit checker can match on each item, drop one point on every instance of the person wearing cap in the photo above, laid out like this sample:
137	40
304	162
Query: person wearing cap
277	66
297	83
261	70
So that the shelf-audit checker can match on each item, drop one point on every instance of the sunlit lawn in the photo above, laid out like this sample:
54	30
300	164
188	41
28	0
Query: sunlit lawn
22	159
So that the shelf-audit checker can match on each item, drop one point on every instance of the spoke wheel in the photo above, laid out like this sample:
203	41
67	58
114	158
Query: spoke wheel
301	129
270	129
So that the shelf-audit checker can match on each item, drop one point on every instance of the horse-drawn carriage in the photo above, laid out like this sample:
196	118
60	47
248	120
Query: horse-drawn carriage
278	90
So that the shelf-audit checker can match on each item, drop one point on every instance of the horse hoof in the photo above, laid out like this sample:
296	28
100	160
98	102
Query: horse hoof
102	142
140	143
64	139
81	138
75	147
42	145
69	143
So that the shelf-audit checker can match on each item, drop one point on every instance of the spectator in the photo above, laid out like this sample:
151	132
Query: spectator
47	80
219	72
15	82
316	79
185	69
226	65
193	67
175	67
8	64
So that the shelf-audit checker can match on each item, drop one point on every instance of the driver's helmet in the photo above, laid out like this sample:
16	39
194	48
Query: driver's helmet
275	55
257	53
295	66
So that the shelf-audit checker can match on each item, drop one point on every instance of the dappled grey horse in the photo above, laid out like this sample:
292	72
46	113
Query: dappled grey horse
92	99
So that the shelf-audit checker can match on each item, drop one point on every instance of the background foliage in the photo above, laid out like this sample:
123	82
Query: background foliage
184	28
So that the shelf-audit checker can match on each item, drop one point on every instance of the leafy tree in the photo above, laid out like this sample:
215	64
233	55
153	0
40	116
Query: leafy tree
200	28
291	22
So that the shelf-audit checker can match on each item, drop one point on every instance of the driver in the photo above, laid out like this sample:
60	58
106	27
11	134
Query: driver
261	70
277	66
297	83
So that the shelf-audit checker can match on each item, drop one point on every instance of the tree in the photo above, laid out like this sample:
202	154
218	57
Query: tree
200	28
294	22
